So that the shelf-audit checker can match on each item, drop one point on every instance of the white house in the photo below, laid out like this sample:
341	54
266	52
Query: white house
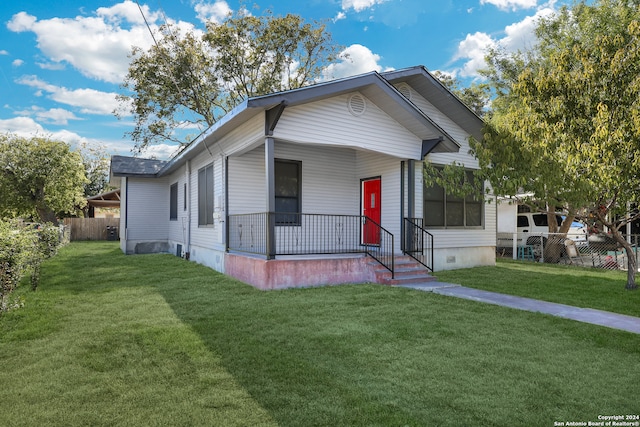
316	185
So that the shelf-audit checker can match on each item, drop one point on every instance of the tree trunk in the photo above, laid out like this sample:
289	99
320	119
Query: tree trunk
47	215
631	259
555	243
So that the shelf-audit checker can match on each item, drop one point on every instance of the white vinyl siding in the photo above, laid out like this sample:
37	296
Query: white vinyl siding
245	138
456	132
329	183
329	122
147	209
177	227
453	238
211	236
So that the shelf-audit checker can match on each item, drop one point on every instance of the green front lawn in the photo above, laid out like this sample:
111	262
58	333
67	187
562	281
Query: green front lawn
577	286
110	339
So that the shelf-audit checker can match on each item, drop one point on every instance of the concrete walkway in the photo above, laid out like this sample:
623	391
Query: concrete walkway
587	315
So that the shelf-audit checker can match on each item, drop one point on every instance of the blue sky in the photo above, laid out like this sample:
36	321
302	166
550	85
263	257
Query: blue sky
61	63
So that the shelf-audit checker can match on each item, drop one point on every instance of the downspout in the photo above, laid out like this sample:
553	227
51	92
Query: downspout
402	206
226	204
125	233
187	243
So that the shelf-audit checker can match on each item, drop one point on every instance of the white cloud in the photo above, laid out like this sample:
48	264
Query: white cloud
20	22
28	127
127	11
51	65
22	126
160	151
4	52
339	16
355	59
511	4
90	101
360	5
97	46
473	50
517	36
213	12
57	116
17	62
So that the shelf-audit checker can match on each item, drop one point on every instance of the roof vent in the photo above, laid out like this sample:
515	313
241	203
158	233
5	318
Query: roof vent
405	90
357	104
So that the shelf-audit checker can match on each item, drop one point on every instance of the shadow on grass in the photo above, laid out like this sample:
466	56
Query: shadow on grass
372	355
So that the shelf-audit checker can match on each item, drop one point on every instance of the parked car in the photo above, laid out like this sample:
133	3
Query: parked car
536	224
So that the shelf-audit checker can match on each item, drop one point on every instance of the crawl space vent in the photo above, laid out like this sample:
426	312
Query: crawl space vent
405	90
357	104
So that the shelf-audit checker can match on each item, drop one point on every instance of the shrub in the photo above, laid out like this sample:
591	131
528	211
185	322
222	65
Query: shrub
22	249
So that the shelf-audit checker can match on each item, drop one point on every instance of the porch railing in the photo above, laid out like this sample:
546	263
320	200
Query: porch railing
418	242
310	234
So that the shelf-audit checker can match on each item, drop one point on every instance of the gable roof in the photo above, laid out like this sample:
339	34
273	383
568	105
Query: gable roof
375	86
431	89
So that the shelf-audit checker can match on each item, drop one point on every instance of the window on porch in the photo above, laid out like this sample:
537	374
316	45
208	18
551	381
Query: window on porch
446	210
288	183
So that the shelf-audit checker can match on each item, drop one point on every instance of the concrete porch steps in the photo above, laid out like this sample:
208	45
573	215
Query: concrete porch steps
407	272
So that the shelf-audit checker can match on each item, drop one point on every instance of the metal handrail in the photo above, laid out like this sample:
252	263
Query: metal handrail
418	242
308	234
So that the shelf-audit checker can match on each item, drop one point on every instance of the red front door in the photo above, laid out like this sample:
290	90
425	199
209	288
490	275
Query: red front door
371	208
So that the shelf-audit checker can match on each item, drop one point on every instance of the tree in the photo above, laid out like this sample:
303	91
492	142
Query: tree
476	96
96	165
187	81
566	123
40	178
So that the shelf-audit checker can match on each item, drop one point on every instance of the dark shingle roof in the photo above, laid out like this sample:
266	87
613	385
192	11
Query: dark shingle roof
134	166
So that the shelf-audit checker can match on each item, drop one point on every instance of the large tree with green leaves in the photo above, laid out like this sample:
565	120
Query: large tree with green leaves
566	119
40	178
190	81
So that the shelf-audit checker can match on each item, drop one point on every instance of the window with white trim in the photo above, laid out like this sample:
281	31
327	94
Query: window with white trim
205	196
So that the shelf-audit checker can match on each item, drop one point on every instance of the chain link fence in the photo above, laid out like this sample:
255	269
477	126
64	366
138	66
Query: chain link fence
598	251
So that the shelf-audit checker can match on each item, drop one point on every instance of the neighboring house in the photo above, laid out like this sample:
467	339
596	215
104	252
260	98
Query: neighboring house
308	186
104	205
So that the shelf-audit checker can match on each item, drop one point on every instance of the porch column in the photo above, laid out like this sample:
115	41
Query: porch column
411	193
270	181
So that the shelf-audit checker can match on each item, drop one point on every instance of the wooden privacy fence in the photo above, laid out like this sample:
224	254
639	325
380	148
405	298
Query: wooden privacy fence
93	228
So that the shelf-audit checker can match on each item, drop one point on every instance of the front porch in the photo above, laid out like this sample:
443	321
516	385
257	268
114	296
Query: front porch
278	250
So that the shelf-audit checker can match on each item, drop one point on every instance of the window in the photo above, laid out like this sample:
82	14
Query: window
184	203
447	210
288	182
173	202
205	195
523	221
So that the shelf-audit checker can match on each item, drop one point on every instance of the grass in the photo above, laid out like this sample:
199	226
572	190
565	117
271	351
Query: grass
577	286
110	339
